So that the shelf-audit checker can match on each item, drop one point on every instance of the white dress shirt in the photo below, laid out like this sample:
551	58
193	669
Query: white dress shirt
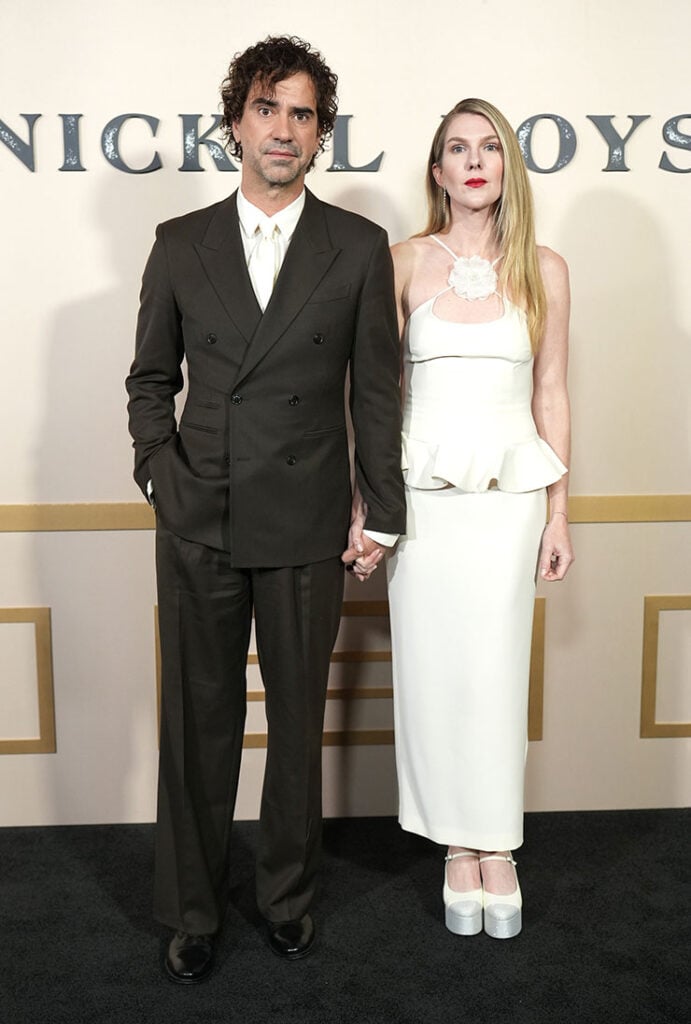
255	225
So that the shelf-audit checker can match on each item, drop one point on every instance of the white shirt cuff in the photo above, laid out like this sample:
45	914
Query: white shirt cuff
387	540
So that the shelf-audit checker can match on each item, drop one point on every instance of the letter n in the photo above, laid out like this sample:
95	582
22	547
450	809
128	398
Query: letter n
24	151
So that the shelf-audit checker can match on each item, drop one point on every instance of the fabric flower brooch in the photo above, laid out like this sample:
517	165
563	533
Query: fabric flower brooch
473	278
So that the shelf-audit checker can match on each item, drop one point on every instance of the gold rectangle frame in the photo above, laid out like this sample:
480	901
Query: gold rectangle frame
45	742
653	606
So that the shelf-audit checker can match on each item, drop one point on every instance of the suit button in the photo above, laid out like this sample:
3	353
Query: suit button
318	339
291	460
211	339
294	400
236	399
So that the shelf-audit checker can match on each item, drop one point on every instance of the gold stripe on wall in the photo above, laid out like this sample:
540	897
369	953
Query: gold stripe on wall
342	693
630	508
136	515
87	516
342	657
345	738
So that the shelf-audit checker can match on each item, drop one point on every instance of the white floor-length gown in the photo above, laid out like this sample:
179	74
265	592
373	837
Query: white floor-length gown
462	579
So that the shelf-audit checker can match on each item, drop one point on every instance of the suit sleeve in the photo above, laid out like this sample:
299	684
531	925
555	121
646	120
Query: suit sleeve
375	396
155	376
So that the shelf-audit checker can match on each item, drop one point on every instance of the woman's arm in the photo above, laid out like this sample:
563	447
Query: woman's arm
551	410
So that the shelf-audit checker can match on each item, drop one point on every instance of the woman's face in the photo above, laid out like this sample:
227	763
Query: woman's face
471	168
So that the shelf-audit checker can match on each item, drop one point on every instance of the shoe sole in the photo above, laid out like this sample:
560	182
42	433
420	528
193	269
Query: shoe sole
463	924
172	976
292	956
503	928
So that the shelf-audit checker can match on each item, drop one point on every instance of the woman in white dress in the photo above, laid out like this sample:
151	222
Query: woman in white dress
484	319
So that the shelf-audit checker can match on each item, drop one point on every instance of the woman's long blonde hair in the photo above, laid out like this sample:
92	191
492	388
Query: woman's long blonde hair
519	275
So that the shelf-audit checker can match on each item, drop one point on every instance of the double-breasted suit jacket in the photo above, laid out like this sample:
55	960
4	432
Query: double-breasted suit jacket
258	464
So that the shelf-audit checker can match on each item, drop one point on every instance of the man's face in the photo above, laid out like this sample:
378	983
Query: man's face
279	133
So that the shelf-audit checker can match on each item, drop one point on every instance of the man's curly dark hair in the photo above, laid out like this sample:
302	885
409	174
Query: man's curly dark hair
269	62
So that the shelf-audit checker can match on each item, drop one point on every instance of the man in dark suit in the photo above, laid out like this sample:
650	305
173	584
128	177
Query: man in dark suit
270	297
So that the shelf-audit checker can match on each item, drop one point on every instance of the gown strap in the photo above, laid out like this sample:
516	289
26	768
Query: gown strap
452	253
444	246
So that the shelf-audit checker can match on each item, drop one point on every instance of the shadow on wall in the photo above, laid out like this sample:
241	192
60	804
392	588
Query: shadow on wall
630	358
372	203
629	372
102	604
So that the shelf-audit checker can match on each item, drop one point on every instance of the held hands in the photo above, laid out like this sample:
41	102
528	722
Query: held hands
362	554
556	552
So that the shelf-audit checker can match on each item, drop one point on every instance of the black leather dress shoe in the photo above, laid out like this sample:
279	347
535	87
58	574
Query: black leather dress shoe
292	939
190	958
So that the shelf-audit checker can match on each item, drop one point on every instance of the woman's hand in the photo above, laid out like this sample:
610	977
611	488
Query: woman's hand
556	551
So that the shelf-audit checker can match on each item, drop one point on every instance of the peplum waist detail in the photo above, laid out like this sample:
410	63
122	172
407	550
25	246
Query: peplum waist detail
525	466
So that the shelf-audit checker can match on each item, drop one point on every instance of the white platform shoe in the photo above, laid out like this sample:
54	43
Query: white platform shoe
463	910
502	914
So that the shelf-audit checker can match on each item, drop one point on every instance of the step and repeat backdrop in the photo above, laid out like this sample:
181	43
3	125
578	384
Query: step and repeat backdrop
108	125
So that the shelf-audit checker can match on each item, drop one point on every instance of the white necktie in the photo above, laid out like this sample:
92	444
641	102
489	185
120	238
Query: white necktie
265	263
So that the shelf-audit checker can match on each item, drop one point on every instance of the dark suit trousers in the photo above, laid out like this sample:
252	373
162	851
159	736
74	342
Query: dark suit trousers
205	614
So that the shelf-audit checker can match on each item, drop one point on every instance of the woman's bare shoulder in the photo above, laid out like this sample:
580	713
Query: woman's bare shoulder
410	248
407	255
554	271
551	263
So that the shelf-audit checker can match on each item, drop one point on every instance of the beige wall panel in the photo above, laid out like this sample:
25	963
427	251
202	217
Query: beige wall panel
592	754
358	715
99	587
674	666
623	233
68	313
104	770
18	681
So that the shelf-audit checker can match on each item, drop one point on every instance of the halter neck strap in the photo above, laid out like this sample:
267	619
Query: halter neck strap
452	253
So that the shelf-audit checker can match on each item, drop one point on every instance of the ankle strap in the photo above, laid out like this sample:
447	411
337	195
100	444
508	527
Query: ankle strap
464	853
497	856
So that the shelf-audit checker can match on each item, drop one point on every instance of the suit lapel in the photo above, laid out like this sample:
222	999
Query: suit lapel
223	259
309	256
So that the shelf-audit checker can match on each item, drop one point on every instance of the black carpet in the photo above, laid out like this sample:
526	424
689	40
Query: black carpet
606	937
